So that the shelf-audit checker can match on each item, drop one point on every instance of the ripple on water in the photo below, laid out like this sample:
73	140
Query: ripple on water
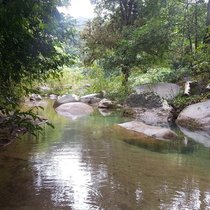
81	165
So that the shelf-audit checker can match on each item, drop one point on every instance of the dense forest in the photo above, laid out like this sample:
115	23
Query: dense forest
129	42
137	36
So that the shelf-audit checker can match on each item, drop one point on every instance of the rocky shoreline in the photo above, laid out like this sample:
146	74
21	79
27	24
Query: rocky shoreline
148	107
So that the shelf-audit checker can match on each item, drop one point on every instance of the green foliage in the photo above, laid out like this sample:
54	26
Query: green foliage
68	82
111	84
181	101
32	36
201	65
165	36
30	33
21	121
158	74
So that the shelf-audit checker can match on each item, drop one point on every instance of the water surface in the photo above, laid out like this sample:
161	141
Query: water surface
83	165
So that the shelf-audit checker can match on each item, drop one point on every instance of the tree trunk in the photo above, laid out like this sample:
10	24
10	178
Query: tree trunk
126	74
196	24
127	9
207	36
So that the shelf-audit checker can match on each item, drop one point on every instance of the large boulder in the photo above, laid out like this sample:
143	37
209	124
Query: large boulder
164	90
69	98
158	116
196	117
74	110
149	108
148	130
148	100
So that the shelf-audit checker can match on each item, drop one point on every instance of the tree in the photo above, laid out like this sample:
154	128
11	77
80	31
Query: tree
150	33
30	33
139	31
207	35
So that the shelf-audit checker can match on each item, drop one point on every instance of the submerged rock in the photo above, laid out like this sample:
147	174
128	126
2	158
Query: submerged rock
74	110
196	117
148	130
142	140
198	136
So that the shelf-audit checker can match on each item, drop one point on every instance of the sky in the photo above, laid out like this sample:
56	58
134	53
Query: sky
79	8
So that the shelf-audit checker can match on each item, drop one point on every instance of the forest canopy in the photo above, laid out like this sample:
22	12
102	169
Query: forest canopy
144	34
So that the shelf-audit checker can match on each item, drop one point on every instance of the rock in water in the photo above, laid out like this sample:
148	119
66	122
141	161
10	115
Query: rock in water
196	116
69	98
74	110
201	137
148	130
149	108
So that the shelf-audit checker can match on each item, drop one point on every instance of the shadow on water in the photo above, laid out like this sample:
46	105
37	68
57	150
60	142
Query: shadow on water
183	144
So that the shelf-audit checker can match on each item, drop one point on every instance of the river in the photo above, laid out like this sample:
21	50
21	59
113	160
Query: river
83	165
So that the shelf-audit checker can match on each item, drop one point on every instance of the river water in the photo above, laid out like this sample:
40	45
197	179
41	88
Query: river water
83	165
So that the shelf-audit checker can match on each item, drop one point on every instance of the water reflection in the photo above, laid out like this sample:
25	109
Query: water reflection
67	176
81	165
188	197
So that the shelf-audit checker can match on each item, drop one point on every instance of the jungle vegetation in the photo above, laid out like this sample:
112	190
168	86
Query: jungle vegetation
129	42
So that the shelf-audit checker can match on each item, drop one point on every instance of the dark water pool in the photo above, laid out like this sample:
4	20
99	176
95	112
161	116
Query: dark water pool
83	165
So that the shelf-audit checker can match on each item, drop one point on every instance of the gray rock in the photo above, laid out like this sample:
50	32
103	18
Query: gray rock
196	116
53	96
149	108
198	136
105	112
35	97
156	116
148	130
74	110
105	104
91	98
164	90
148	100
69	98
